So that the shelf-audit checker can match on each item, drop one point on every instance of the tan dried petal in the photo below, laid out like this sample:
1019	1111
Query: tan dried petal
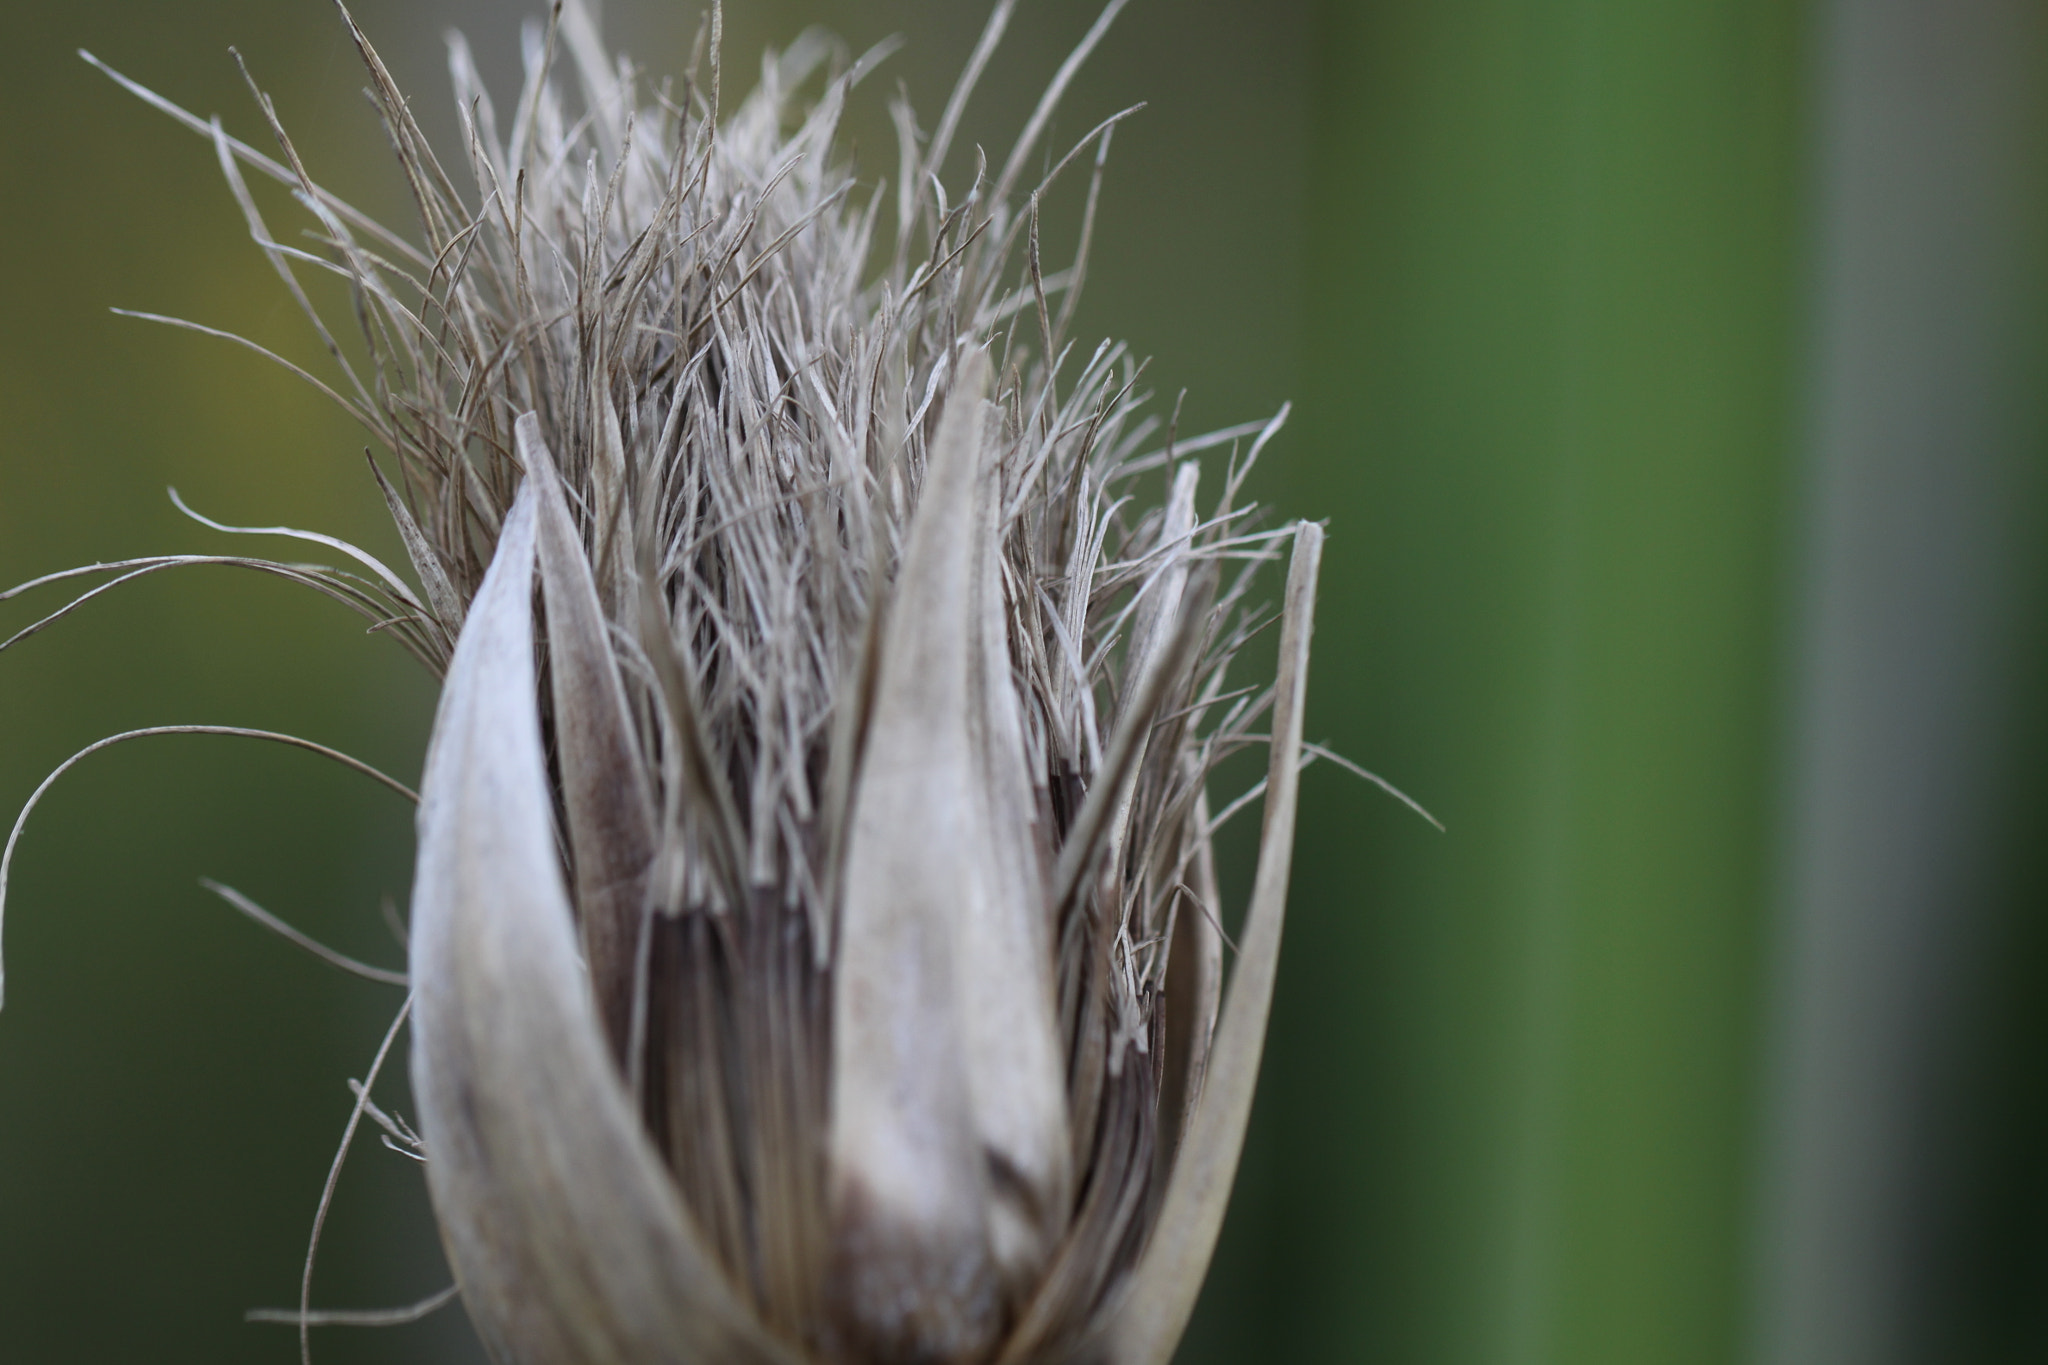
604	783
565	1232
1145	1323
948	1143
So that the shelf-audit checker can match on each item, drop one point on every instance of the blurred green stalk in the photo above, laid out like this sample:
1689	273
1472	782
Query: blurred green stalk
1887	1213
1553	278
1677	394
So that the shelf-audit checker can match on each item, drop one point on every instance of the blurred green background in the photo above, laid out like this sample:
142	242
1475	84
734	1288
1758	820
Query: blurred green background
1672	377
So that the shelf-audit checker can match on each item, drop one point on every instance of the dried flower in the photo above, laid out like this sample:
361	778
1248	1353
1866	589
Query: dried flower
815	945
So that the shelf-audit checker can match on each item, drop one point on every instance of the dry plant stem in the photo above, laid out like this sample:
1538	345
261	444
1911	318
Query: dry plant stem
356	1317
250	908
348	1137
28	807
816	953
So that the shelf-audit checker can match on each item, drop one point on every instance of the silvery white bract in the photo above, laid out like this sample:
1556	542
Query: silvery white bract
815	939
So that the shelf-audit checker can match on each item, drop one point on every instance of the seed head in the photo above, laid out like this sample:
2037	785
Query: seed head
816	946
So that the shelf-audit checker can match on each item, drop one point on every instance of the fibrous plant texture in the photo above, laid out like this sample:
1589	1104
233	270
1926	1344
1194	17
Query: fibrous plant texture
816	949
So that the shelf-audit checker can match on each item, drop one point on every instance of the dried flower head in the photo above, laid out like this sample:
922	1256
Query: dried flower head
815	938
